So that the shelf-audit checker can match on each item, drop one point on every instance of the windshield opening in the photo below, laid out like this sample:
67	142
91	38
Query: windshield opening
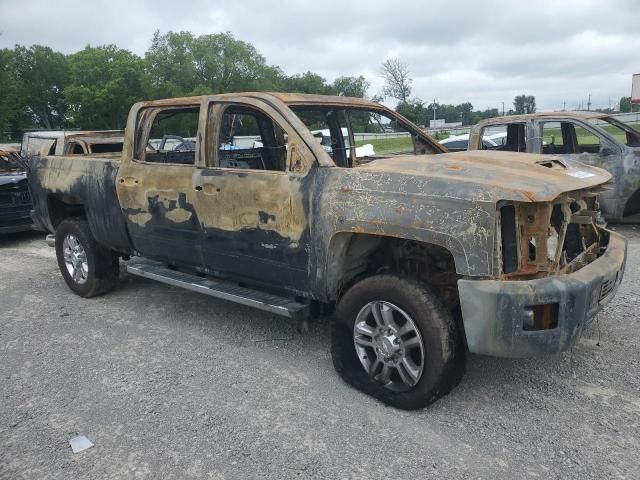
113	147
10	162
620	131
354	136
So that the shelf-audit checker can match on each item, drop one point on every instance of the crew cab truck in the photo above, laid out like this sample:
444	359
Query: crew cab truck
417	254
594	138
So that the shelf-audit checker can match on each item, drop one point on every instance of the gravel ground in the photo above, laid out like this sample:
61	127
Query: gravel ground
174	385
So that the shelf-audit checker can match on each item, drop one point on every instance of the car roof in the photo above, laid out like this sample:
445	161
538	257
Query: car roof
578	115
288	98
496	135
464	136
108	136
56	134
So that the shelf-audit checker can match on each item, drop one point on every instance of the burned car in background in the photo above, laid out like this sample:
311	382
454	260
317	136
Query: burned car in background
591	138
66	142
15	200
459	143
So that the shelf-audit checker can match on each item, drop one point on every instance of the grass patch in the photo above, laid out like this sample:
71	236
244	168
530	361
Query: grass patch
387	146
554	135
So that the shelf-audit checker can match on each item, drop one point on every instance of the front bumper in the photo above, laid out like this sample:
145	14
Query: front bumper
494	312
15	218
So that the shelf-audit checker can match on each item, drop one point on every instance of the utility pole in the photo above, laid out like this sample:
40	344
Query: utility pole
589	103
434	110
564	106
502	109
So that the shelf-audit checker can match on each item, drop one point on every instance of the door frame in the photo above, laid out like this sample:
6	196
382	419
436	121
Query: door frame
245	223
156	198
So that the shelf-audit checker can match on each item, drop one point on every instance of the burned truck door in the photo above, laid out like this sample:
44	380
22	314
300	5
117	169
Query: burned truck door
154	187
250	203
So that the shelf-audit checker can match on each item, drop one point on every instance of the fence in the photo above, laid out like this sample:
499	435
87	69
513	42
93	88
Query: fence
631	118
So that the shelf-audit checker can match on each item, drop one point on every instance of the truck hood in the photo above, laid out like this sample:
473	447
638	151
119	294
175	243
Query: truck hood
493	175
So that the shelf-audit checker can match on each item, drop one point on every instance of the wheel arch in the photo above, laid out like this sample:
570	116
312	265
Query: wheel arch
350	256
62	206
632	206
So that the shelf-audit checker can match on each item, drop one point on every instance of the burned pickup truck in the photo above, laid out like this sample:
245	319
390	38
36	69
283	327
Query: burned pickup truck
417	254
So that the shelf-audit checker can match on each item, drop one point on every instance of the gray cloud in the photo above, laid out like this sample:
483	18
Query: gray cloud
482	52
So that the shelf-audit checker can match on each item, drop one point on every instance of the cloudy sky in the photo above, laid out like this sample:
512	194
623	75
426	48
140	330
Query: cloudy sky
483	52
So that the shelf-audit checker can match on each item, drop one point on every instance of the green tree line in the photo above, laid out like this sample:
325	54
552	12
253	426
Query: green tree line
95	87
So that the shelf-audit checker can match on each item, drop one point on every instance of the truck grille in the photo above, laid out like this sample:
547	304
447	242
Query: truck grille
15	198
24	197
539	238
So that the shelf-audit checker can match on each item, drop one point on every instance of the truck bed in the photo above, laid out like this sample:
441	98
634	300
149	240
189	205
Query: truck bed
83	185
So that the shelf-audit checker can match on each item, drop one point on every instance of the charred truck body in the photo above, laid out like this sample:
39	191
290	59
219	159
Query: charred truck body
418	256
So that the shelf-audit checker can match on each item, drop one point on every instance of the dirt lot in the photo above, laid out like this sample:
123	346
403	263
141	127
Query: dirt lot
171	384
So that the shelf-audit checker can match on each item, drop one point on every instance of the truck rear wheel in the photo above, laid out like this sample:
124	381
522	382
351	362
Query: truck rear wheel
88	268
395	341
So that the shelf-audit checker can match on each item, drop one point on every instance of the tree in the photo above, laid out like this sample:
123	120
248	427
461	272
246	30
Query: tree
9	98
351	86
95	87
524	104
397	79
305	83
626	106
41	75
182	64
104	83
414	110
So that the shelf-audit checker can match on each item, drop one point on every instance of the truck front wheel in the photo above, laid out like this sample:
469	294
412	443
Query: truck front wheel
87	268
395	341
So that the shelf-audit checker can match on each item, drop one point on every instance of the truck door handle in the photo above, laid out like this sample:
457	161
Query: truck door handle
129	181
208	189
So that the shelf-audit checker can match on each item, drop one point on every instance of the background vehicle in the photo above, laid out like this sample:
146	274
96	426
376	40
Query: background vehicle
458	143
324	137
589	137
15	201
71	142
413	251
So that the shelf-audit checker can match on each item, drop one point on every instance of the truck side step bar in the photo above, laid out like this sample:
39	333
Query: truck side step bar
287	307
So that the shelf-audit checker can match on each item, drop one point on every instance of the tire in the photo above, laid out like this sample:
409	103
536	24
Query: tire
432	336
98	268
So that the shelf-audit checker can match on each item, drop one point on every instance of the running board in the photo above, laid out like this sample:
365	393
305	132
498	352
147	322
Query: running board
268	302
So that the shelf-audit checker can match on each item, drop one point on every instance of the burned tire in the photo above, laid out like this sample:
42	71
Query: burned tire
394	340
88	268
